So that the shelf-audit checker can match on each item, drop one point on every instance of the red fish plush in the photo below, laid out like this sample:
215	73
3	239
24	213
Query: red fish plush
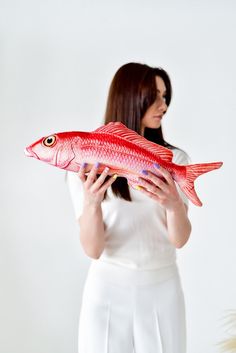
124	151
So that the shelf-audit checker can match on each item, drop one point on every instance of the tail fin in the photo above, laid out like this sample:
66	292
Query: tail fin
192	172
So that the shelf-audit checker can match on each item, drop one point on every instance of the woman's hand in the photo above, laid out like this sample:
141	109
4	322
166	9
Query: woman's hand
92	227
165	192
95	188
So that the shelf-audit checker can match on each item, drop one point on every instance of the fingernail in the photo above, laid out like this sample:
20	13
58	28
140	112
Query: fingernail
106	170
156	165
84	164
97	164
137	187
145	172
115	176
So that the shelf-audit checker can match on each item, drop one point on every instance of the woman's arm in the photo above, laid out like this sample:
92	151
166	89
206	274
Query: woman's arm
92	231
178	224
91	223
166	193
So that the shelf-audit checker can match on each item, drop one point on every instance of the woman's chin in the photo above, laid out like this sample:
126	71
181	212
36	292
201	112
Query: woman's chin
154	125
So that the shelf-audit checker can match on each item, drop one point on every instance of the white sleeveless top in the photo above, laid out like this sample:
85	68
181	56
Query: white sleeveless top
136	234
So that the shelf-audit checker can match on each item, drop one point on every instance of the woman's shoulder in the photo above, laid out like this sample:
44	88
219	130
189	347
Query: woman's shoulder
180	156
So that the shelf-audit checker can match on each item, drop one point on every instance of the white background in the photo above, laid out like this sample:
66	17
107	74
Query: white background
57	60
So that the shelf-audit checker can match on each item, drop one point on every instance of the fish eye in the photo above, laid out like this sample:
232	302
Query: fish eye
49	141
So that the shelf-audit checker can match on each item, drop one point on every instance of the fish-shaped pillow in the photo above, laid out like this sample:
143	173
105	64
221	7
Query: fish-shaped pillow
124	151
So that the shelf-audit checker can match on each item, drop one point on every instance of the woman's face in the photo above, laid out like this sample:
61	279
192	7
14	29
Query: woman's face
153	116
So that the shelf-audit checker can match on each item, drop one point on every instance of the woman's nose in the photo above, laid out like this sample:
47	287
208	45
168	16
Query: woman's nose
162	106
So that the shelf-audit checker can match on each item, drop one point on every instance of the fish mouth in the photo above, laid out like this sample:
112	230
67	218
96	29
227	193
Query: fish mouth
29	153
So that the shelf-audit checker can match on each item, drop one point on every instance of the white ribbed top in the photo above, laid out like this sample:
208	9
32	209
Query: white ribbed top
136	233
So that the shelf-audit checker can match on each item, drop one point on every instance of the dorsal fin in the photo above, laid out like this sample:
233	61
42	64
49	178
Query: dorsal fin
121	130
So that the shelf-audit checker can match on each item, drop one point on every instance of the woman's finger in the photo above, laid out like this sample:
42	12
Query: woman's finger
92	176
148	193
154	189
108	183
100	180
156	180
81	173
165	173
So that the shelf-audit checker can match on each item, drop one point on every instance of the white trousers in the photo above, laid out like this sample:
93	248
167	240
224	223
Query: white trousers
132	311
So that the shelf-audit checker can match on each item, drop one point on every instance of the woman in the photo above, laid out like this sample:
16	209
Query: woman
133	299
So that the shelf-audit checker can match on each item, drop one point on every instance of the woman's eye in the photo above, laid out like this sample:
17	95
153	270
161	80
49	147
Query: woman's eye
160	98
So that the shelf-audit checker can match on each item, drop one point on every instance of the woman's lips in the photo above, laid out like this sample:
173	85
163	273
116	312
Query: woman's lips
157	116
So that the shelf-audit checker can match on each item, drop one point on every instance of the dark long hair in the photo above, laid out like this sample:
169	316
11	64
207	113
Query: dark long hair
132	91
